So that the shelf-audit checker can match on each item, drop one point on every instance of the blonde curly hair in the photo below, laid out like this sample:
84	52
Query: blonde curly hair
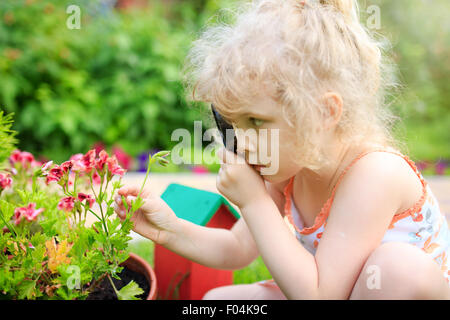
300	49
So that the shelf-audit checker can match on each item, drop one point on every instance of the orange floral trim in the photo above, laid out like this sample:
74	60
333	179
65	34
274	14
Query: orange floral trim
323	214
320	219
419	204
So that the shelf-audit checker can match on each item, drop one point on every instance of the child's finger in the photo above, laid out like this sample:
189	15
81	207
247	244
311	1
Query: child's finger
133	191
129	190
118	203
148	206
119	211
219	153
227	156
118	199
222	155
130	199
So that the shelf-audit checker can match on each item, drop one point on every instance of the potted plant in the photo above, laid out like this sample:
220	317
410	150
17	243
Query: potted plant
47	251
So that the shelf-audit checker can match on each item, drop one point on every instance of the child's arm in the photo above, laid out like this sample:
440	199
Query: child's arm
276	193
366	201
215	247
364	204
228	250
212	247
243	239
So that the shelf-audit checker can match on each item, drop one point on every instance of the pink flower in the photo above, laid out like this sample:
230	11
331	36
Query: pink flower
82	197
199	170
16	156
96	178
66	166
46	166
66	203
25	158
29	212
98	146
78	166
113	166
36	164
77	162
123	158
89	160
5	181
18	213
440	167
55	174
83	163
71	179
78	156
102	158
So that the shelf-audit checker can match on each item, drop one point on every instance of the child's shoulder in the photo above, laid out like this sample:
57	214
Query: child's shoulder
390	169
389	162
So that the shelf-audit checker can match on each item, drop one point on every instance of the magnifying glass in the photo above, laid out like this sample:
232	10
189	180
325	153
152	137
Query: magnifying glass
224	127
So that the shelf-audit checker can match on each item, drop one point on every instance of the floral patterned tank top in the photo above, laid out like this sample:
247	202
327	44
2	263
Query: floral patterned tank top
423	225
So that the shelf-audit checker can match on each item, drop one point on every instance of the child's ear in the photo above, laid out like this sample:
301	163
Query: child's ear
333	105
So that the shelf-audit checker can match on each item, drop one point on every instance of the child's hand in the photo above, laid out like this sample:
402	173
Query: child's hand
239	182
154	220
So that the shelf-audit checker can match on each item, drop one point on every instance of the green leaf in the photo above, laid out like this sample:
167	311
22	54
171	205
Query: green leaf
125	203
130	291
7	212
127	225
7	136
26	289
117	184
23	195
135	205
112	225
110	210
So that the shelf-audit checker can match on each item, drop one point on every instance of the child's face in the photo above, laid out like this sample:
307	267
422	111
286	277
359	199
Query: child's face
266	139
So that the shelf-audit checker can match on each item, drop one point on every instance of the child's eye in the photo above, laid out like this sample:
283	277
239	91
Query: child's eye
256	122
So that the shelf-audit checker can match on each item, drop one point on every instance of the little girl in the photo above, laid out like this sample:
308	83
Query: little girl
347	215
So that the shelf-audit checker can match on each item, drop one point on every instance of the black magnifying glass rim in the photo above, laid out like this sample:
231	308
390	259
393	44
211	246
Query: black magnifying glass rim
222	125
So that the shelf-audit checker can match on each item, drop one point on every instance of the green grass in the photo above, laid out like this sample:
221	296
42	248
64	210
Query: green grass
256	271
144	249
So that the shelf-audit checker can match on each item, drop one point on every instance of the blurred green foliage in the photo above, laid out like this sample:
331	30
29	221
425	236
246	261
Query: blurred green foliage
7	137
117	79
420	35
114	80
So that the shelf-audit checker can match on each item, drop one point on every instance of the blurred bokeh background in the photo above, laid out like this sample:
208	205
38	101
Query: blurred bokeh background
116	81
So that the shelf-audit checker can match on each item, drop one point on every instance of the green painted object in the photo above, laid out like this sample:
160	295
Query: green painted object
195	205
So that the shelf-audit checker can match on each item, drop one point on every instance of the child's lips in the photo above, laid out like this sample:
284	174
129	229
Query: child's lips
257	167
